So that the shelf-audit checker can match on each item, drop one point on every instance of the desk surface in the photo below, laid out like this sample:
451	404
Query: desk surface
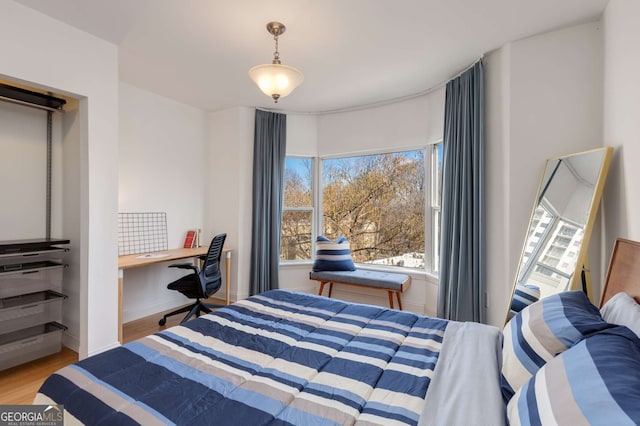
142	259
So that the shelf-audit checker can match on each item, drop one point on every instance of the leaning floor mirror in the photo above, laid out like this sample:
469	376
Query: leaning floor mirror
555	253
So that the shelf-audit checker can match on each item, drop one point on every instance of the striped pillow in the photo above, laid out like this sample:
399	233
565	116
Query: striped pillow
541	331
332	256
523	296
595	382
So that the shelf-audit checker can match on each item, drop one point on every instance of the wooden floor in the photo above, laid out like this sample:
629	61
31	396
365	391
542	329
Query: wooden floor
19	385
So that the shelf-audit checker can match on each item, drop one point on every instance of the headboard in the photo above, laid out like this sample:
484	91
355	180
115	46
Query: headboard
624	270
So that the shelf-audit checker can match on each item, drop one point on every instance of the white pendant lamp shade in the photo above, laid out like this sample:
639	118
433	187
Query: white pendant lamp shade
276	80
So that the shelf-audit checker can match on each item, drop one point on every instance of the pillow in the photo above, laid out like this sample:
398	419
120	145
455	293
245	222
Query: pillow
595	382
523	296
332	256
541	331
622	309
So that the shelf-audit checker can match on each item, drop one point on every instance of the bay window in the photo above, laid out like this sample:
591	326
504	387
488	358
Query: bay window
387	204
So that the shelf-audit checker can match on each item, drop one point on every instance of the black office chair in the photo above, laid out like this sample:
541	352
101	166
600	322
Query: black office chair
199	284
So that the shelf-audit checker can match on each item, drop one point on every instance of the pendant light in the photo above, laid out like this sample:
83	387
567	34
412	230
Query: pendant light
274	79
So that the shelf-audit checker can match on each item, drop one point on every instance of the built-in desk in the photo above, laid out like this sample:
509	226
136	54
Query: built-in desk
145	259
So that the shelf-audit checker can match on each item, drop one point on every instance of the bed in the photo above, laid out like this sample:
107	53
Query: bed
282	358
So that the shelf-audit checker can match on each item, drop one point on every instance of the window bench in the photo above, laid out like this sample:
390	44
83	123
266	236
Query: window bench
391	282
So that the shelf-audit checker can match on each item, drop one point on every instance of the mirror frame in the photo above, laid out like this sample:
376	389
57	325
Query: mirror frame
582	260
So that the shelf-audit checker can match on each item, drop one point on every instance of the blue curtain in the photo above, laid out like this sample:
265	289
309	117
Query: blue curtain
269	149
461	294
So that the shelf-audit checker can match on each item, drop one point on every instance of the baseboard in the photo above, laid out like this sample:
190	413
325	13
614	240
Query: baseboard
131	315
104	348
71	342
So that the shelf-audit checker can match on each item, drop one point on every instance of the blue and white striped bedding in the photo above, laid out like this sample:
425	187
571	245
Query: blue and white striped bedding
278	358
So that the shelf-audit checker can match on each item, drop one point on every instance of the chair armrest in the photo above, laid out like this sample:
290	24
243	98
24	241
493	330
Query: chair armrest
185	266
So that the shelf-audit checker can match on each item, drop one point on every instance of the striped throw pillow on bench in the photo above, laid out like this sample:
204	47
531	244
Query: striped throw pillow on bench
333	256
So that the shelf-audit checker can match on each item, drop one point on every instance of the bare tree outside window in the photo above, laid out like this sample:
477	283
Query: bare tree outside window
378	203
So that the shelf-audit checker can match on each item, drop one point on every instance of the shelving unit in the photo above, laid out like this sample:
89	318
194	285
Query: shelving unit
31	270
31	298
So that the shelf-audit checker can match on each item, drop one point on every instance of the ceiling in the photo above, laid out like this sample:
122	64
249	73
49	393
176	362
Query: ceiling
352	52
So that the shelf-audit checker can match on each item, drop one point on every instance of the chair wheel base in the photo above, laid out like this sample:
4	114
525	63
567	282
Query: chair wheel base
162	321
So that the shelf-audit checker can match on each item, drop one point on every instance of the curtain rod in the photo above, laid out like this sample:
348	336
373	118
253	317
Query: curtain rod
464	70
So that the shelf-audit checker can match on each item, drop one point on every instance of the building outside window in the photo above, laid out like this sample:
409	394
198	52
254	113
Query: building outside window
386	204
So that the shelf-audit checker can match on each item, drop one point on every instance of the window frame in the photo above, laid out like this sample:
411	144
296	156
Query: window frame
432	208
312	209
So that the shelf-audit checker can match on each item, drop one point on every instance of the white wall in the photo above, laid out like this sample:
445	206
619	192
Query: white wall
161	168
41	52
23	155
302	135
499	274
621	121
229	155
544	99
410	123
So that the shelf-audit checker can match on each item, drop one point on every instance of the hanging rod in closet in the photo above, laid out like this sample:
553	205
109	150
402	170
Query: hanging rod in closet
32	99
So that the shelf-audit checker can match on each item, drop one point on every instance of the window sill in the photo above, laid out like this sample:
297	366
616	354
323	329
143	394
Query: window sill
296	264
413	273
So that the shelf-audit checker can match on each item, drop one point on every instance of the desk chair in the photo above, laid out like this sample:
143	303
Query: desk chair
200	283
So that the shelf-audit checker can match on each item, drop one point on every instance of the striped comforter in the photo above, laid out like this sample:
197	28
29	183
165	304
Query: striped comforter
274	359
